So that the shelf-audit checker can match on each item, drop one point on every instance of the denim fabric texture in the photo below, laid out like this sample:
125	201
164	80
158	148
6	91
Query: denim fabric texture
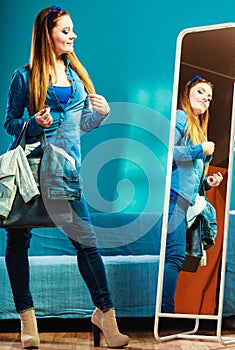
187	174
59	178
90	263
209	225
67	121
175	251
18	243
15	174
188	162
64	133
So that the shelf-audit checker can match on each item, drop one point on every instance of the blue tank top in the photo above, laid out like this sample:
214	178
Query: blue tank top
63	94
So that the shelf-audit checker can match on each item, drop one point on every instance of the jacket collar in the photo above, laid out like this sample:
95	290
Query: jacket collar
67	61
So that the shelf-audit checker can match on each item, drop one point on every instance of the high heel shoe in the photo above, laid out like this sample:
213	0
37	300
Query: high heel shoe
106	323
29	330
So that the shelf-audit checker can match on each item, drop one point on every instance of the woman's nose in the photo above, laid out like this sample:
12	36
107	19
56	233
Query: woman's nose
73	35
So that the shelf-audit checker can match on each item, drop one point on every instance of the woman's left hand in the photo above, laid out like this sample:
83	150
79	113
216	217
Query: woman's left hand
100	104
215	179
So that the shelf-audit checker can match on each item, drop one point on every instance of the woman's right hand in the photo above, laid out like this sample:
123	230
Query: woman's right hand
208	148
44	118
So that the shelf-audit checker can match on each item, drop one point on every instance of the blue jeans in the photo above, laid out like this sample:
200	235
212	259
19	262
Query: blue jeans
89	260
175	250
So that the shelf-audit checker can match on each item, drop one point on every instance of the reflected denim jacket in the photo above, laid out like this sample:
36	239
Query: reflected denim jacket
208	225
67	122
188	162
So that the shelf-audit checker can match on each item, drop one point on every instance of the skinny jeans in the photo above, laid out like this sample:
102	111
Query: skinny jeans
175	250
89	260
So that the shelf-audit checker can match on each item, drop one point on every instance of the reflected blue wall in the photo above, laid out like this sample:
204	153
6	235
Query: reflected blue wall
128	47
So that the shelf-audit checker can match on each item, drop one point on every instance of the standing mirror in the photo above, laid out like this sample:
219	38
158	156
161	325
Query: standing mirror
209	52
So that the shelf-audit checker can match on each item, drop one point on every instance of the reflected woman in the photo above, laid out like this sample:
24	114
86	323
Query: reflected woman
192	153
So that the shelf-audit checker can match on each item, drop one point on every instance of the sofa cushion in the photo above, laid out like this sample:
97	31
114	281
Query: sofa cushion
59	291
117	234
128	233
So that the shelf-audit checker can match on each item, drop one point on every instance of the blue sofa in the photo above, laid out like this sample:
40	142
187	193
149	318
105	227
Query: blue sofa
131	260
56	284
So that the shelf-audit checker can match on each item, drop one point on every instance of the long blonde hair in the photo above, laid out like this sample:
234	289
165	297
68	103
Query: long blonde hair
41	58
196	127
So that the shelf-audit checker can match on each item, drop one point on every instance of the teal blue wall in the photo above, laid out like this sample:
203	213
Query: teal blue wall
128	47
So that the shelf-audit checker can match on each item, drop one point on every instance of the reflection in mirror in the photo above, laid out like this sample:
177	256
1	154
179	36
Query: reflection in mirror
192	153
202	149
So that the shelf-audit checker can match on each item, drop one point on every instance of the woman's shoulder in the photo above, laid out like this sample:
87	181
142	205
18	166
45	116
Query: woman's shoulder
181	119
20	77
181	115
23	71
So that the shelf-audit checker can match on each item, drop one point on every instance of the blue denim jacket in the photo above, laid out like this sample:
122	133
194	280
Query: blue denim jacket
67	122
63	133
188	162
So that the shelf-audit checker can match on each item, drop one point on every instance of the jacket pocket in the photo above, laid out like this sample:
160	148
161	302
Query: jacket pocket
59	177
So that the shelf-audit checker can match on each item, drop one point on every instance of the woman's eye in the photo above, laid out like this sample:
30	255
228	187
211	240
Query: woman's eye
202	92
66	31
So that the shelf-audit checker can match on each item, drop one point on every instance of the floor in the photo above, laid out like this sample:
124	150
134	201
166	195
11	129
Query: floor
74	335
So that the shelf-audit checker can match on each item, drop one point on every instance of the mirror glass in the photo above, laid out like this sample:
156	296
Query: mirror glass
208	52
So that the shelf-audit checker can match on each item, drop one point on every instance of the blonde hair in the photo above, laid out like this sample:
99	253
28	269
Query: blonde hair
196	127
41	58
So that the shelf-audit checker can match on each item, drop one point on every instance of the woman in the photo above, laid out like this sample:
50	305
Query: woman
57	92
192	153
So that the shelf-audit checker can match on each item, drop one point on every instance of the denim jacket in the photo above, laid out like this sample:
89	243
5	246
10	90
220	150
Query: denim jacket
208	225
15	175
64	133
188	162
67	122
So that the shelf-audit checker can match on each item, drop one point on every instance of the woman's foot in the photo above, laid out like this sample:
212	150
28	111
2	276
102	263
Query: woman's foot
106	323
29	330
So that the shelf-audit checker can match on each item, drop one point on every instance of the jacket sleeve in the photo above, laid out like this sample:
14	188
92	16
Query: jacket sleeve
17	101
184	150
205	184
90	118
15	105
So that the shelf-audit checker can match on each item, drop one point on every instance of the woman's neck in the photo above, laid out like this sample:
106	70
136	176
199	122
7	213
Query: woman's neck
59	77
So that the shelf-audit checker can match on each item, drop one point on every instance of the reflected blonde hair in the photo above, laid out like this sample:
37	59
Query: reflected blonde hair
41	59
196	127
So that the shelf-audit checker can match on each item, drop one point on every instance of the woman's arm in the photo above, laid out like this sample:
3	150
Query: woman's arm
93	117
15	105
17	101
183	149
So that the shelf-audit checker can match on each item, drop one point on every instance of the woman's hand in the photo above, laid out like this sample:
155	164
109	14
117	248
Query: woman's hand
215	179
44	118
100	104
208	148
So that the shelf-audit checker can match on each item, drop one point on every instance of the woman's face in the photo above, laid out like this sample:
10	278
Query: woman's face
63	36
200	97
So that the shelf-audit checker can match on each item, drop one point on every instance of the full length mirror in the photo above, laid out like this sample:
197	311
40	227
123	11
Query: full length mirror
204	54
